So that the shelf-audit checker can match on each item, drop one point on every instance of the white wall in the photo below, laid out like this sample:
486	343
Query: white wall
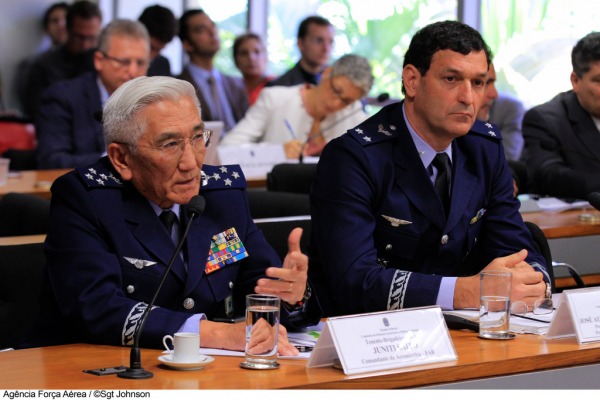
21	34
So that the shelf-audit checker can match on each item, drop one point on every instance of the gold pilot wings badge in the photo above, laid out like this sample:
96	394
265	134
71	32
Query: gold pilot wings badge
396	221
139	264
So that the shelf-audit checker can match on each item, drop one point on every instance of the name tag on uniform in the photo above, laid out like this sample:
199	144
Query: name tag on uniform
225	248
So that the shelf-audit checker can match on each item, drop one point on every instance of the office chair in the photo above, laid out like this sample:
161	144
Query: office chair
22	270
267	204
23	214
541	244
293	178
21	160
277	230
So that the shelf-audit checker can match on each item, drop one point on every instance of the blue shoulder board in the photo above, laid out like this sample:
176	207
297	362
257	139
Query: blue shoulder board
222	177
486	129
99	175
371	131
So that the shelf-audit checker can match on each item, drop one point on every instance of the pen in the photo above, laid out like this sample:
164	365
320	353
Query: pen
289	126
304	349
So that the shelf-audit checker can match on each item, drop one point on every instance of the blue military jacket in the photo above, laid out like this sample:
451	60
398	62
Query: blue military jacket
107	250
380	236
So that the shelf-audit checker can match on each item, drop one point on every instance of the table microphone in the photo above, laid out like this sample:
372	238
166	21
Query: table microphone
135	370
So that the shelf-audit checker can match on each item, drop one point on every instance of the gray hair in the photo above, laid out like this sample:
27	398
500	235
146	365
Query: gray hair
355	68
122	27
120	119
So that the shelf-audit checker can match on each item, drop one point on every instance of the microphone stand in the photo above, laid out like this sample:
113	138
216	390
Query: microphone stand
135	370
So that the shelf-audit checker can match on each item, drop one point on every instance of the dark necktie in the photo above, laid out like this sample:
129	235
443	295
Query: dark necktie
168	218
217	113
444	177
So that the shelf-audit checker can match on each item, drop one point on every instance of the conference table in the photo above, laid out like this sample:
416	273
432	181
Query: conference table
527	362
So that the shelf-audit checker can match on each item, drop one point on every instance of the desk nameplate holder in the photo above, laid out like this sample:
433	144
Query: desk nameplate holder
256	160
578	314
384	340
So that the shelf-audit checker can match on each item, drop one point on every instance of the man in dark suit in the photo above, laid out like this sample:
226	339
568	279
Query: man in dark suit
68	128
162	27
84	21
315	42
107	248
562	136
408	207
223	97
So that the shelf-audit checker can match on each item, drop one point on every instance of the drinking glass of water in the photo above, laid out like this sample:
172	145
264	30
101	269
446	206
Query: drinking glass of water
494	300
262	330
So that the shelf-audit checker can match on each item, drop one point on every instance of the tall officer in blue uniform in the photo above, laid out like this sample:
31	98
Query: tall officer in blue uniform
107	248
382	238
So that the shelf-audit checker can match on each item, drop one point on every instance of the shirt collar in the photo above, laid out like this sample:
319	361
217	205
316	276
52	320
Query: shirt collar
159	210
103	92
426	152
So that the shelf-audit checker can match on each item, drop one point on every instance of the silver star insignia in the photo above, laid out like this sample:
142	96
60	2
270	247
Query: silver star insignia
92	170
359	131
396	222
367	139
139	264
235	175
492	133
204	178
227	182
216	176
223	169
103	176
488	125
89	176
100	181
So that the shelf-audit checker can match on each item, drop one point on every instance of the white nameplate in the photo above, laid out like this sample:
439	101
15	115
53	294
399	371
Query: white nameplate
384	340
256	160
578	314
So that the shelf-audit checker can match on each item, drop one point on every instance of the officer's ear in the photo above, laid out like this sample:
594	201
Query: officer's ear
119	155
410	77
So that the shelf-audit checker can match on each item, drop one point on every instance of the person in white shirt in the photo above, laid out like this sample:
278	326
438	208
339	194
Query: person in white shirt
304	117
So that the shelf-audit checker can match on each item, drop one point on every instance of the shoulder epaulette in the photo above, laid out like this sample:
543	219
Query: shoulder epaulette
369	133
486	129
99	175
223	177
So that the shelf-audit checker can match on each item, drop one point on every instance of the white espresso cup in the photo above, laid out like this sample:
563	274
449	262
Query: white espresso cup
185	346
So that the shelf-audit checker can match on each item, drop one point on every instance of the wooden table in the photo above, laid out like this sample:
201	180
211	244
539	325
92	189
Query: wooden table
36	183
564	224
61	366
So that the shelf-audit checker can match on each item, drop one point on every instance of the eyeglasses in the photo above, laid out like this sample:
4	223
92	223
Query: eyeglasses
540	307
126	62
338	93
173	148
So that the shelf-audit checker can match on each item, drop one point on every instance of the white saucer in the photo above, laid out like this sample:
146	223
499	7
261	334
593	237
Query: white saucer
186	366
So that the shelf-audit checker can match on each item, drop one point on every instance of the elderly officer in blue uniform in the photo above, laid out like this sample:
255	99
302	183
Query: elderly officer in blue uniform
107	248
383	237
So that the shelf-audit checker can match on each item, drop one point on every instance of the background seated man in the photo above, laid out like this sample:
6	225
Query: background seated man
409	206
304	118
315	43
562	136
68	129
107	249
